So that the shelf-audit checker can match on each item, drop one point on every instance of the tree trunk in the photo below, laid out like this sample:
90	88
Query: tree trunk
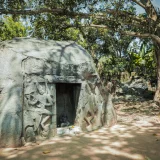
157	53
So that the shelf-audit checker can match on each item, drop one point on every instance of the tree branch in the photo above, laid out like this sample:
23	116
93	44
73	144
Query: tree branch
126	17
129	33
150	10
127	14
139	3
142	35
96	26
56	11
63	12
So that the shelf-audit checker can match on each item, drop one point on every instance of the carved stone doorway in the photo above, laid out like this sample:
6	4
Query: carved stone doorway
67	96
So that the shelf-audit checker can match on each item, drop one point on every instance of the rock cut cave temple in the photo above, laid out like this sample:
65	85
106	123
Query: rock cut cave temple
44	84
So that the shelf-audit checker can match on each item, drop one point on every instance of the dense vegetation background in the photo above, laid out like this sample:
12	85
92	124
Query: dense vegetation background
118	38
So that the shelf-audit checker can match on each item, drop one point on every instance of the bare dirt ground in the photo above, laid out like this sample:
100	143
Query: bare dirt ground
135	137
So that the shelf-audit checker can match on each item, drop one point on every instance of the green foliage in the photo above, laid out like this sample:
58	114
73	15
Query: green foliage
75	35
112	66
143	62
10	29
108	48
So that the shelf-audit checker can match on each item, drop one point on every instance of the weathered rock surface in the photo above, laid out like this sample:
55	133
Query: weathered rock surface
134	90
31	70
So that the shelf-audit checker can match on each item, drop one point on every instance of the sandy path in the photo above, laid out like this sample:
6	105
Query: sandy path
135	137
139	140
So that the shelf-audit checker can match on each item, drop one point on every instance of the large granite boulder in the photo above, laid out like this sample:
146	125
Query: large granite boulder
44	84
135	90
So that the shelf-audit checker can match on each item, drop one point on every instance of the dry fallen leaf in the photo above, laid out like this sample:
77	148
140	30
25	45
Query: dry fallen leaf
46	152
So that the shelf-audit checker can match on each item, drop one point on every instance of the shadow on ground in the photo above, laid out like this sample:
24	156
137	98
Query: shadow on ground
139	140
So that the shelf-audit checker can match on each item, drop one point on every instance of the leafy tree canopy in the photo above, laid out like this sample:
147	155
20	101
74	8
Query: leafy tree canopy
101	26
10	28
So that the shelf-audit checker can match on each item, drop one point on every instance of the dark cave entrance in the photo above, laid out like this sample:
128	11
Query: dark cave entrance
67	96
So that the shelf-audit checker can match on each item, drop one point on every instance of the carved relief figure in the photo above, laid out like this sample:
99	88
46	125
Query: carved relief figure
30	118
36	115
44	100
